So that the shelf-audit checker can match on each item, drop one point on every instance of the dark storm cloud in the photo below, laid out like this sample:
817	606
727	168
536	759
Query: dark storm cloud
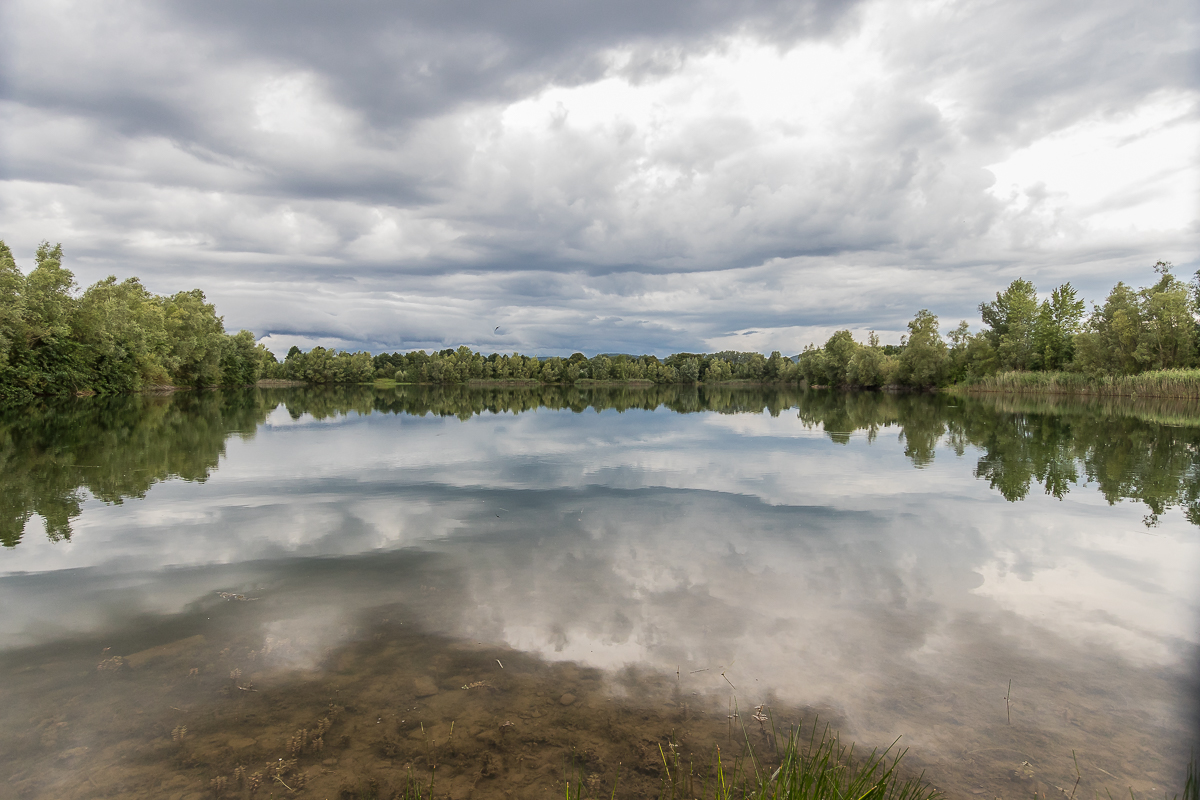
626	176
143	69
411	59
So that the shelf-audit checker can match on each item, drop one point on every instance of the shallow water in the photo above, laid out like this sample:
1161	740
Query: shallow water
190	582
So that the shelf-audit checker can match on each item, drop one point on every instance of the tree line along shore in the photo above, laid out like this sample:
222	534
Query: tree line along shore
116	337
1137	342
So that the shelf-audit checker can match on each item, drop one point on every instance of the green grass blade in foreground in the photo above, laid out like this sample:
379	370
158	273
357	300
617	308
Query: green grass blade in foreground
1191	786
821	768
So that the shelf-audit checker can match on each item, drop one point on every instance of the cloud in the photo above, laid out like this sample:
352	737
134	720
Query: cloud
632	176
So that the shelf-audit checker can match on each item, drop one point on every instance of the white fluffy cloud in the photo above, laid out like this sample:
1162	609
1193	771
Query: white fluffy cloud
750	179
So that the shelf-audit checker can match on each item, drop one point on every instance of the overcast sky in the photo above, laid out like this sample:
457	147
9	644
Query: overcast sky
626	176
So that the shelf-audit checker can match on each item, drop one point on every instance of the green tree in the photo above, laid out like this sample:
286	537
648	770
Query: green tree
775	366
866	367
958	364
195	334
1110	341
1169	336
811	363
923	361
114	337
124	327
1134	331
718	370
51	351
598	368
12	323
242	359
1011	320
1054	330
689	370
840	350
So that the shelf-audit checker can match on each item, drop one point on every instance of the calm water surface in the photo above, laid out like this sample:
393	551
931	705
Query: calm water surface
328	593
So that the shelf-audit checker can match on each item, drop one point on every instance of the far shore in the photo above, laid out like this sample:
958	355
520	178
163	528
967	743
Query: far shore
1180	384
278	383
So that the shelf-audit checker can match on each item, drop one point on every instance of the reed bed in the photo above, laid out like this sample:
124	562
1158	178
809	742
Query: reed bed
1173	383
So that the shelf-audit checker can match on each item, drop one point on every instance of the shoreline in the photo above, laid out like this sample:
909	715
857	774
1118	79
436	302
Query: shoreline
585	383
1165	384
971	390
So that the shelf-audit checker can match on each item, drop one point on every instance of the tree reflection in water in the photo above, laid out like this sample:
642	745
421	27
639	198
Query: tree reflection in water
114	448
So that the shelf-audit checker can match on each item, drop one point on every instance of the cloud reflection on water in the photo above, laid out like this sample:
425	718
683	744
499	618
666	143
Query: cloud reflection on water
363	483
754	546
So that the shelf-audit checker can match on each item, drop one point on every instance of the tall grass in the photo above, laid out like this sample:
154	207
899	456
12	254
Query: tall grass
1176	383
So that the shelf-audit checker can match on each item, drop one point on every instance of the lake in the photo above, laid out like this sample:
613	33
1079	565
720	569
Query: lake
334	592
